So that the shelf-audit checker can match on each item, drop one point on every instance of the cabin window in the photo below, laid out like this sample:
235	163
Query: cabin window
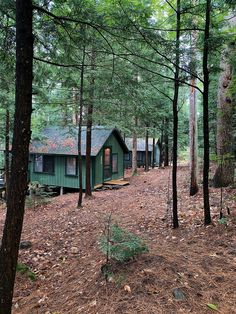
38	163
44	164
71	166
114	163
127	157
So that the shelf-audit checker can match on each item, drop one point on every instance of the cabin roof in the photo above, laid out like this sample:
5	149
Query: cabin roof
141	144
64	141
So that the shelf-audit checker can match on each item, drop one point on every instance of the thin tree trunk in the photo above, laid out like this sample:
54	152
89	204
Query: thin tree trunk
193	123
146	152
88	191
153	152
134	149
80	161
161	149
20	154
207	213
7	156
166	143
175	121
75	113
193	138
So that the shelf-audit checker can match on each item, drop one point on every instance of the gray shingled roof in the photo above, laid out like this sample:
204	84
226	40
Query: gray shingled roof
64	141
141	144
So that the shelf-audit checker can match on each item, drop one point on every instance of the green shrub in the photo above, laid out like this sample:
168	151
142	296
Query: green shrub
24	269
120	244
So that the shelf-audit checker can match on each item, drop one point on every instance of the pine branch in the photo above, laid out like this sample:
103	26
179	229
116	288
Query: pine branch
58	64
157	51
171	6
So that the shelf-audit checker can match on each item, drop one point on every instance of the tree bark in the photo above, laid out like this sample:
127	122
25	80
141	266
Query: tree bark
193	123
153	152
207	213
134	149
166	143
146	152
81	101
175	121
75	113
224	174
161	148
7	153
20	154
193	138
88	191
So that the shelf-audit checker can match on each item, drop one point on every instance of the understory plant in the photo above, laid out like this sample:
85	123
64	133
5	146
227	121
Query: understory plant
119	244
25	270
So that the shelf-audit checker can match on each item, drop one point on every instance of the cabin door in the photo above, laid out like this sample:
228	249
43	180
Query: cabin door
107	164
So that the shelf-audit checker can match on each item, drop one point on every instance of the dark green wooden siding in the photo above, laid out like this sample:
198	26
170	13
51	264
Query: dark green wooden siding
59	178
115	149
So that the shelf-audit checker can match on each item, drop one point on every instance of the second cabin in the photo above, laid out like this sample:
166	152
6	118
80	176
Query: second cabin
141	152
54	157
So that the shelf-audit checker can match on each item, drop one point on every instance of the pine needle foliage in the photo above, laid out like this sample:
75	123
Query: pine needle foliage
121	245
24	269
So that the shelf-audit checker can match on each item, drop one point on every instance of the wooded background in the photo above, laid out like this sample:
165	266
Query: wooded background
161	69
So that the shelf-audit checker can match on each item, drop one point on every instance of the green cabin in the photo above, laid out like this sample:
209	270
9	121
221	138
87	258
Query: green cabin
54	158
141	152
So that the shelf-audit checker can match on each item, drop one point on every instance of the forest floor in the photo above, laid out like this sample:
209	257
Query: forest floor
198	262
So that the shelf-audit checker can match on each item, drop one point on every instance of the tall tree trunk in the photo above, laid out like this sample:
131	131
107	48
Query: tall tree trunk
134	149
207	213
80	161
161	147
175	120
153	152
224	174
20	154
75	113
166	143
146	152
193	124
7	156
88	191
193	138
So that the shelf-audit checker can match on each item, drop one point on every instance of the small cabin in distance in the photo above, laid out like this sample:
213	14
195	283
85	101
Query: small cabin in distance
141	152
54	158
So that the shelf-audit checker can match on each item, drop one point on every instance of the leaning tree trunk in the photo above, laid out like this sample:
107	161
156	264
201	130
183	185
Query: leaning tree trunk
175	122
88	191
224	174
20	154
207	212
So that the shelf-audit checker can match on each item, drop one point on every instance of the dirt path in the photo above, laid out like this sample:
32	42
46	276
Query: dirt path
199	261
